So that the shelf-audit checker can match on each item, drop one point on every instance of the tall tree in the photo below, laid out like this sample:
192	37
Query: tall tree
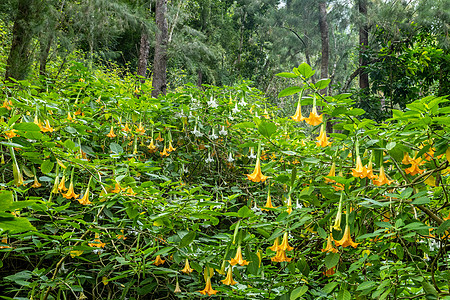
323	26
363	43
19	59
160	58
143	54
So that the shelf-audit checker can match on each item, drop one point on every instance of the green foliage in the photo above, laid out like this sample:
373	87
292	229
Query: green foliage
153	182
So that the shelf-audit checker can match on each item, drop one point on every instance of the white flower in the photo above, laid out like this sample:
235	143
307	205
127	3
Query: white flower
209	159
185	170
97	251
255	208
179	115
230	158
212	103
242	102
298	205
223	131
256	114
434	245
213	136
230	117
195	104
196	132
235	110
252	155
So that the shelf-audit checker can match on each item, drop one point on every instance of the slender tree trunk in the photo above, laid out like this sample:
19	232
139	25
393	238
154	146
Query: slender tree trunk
323	25
199	78
160	60
143	55
45	46
363	43
19	59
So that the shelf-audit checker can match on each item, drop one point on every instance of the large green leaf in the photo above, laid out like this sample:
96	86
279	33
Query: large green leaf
287	75
16	225
331	260
298	292
289	91
305	70
6	199
267	128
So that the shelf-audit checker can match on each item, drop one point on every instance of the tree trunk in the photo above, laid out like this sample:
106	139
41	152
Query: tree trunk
143	55
45	46
19	59
160	60
199	78
323	25
363	43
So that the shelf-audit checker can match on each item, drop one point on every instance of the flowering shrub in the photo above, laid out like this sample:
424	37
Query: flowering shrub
108	193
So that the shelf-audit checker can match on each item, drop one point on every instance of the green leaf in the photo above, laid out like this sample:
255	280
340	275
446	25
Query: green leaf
331	260
429	289
344	295
416	226
20	278
244	125
116	148
443	227
27	126
286	75
163	251
305	70
390	145
322	83
253	266
132	212
6	199
329	287
245	212
47	166
421	200
69	144
289	91
16	225
267	128
366	285
298	292
322	233
303	266
22	204
355	112
187	239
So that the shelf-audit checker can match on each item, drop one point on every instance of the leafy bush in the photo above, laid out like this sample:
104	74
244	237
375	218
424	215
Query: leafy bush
158	203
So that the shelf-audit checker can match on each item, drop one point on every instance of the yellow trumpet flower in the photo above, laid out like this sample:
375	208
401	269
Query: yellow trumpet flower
322	139
359	171
257	175
284	244
187	268
238	258
111	133
208	288
329	247
159	261
229	279
70	193
346	239
314	118
382	179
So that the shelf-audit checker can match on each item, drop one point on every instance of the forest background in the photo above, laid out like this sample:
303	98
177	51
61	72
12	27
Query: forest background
163	117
